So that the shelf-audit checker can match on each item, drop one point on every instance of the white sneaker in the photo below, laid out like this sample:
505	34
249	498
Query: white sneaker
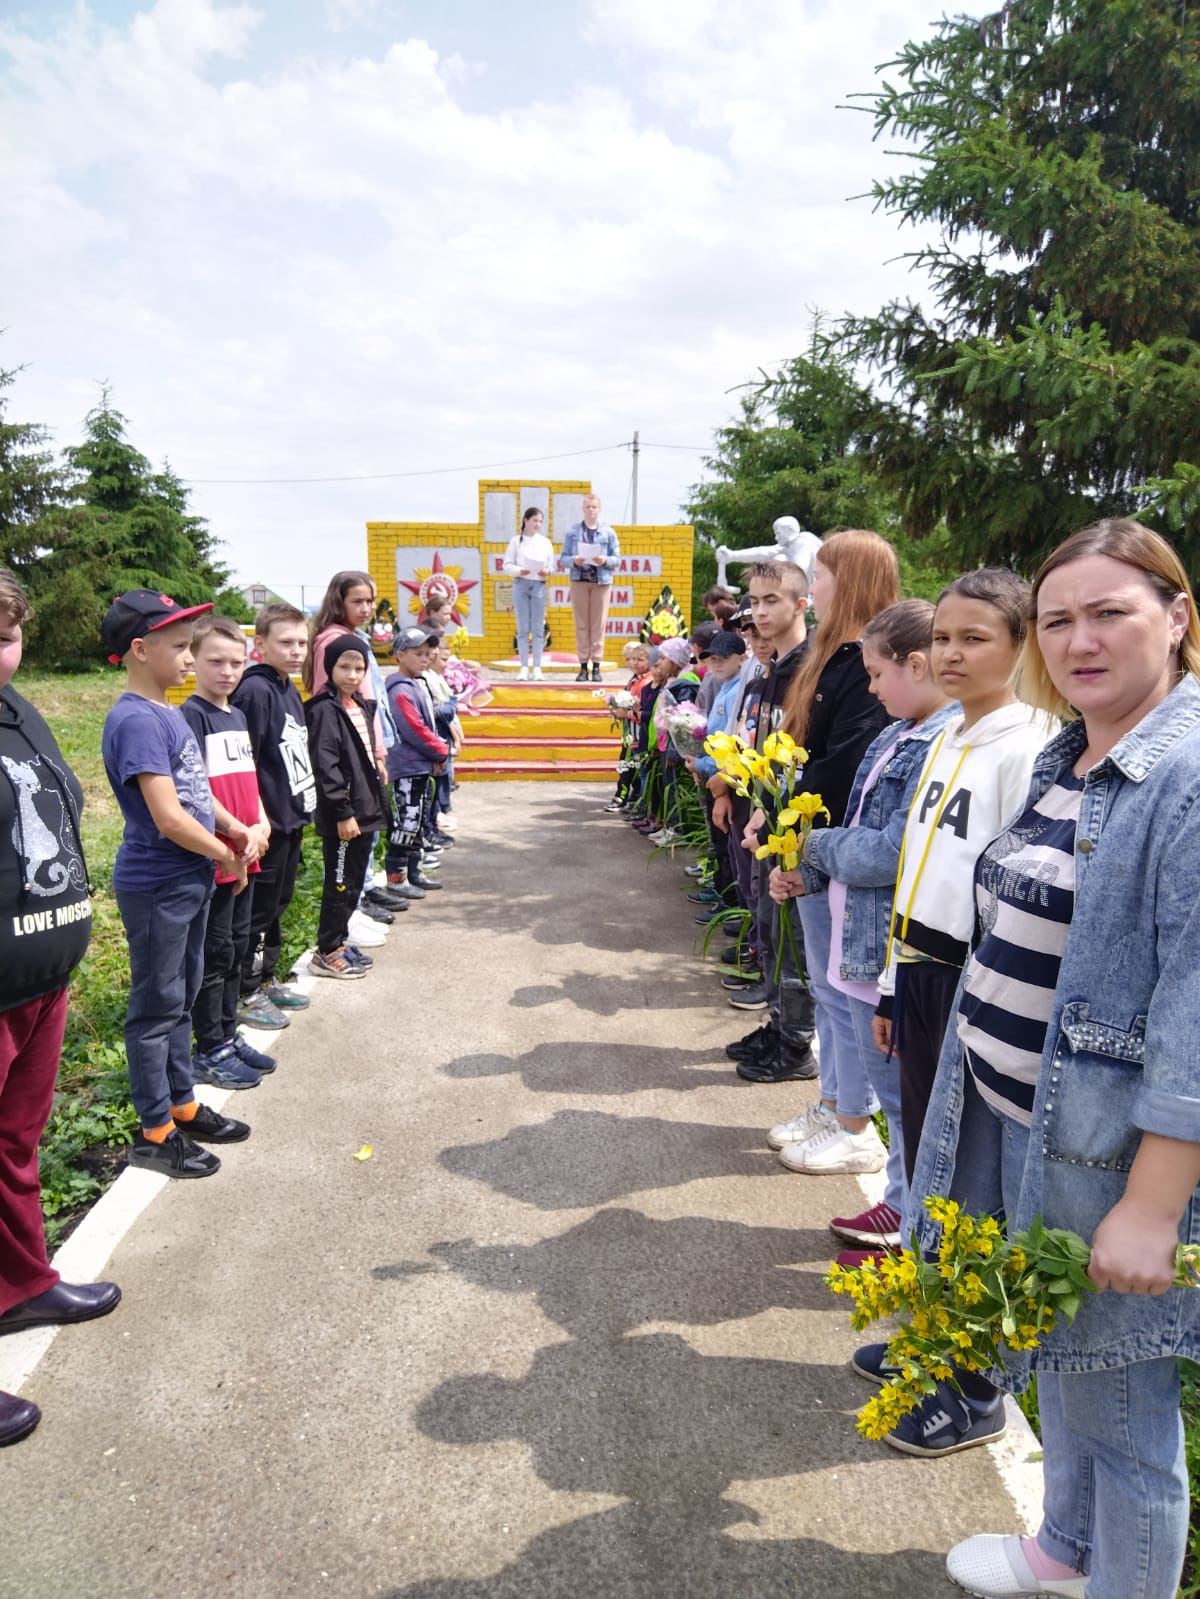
994	1567
448	822
836	1149
523	675
538	675
803	1126
365	932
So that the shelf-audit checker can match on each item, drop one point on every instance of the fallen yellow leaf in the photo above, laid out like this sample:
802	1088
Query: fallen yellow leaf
365	1152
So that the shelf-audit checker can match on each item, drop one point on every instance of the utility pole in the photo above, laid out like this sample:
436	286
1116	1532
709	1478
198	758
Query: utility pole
636	453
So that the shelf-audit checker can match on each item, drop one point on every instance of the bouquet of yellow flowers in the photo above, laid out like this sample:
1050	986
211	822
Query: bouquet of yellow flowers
985	1294
768	778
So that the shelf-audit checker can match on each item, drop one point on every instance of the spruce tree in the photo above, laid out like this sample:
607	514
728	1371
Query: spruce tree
1057	377
31	483
130	528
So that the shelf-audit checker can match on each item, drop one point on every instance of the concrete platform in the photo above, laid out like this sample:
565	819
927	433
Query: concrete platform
563	1336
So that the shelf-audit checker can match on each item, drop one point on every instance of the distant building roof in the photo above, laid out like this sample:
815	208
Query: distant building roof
261	594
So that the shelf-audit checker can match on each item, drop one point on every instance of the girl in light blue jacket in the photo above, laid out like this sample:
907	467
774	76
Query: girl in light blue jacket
857	864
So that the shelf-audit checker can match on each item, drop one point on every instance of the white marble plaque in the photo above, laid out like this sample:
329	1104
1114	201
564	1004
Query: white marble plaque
539	500
568	509
499	515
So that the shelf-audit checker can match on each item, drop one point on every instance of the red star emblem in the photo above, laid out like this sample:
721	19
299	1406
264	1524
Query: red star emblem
440	578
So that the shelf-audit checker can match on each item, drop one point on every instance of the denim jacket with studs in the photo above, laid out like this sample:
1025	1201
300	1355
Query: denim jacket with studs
1122	1052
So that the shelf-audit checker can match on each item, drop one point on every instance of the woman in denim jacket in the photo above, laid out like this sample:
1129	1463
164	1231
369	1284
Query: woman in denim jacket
1103	1134
591	583
862	857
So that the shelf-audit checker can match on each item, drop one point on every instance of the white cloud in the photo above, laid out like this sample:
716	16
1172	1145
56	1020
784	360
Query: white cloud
337	263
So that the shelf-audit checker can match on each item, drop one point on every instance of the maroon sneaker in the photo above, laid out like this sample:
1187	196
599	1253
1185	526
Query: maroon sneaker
852	1259
875	1228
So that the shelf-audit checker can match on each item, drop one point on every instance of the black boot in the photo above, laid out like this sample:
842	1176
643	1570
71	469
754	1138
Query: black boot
785	1064
596	672
763	1040
581	675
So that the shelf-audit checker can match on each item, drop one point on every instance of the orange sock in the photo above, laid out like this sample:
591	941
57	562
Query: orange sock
158	1135
185	1113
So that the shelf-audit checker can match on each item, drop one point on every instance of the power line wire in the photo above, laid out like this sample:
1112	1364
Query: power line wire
435	471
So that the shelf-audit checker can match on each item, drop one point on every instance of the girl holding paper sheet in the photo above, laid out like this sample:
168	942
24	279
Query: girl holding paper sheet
591	555
530	560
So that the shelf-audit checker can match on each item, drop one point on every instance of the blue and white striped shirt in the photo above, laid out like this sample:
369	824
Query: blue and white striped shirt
1024	899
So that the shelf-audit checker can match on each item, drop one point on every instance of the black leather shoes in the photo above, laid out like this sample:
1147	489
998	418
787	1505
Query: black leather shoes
18	1418
62	1303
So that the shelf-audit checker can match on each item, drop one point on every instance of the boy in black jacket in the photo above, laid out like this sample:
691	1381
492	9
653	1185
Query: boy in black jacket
267	698
350	800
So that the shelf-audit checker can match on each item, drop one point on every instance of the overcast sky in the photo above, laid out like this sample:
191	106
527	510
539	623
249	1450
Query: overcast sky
324	238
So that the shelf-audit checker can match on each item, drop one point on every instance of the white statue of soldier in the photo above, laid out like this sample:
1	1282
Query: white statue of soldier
795	545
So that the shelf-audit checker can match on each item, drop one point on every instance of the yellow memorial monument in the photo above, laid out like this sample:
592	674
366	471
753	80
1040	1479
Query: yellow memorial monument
407	558
536	730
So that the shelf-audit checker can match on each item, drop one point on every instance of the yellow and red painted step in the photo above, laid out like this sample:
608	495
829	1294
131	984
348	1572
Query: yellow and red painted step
531	731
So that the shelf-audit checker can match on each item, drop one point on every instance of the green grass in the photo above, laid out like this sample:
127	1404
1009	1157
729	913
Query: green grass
93	1119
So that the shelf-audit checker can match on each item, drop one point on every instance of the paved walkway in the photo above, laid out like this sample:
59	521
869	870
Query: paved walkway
563	1335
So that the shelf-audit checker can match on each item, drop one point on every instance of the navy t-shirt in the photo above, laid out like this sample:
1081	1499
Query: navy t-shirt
142	735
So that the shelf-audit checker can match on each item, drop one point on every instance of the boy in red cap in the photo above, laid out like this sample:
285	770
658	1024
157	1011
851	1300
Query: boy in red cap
163	879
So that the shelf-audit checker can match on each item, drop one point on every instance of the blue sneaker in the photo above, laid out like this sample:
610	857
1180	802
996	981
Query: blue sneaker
870	1361
356	957
254	1058
946	1423
223	1067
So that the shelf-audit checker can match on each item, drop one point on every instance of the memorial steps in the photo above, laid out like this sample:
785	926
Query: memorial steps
548	731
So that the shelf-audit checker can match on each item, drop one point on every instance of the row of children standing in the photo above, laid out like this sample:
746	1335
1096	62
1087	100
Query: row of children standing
234	778
956	930
959	957
215	797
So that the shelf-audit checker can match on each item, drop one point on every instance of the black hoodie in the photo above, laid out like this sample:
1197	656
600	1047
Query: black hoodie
45	898
348	784
275	717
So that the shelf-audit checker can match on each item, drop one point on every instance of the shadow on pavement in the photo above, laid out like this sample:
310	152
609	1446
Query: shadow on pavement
620	1269
647	1418
583	1158
636	1552
597	1068
605	996
650	1420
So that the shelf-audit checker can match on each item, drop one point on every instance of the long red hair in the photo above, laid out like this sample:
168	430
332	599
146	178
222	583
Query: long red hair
867	577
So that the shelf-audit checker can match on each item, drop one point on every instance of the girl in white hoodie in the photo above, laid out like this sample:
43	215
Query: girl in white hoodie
973	783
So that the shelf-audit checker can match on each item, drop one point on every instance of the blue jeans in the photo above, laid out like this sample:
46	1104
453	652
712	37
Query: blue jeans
884	1078
529	602
165	929
1115	1482
789	1000
844	1079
